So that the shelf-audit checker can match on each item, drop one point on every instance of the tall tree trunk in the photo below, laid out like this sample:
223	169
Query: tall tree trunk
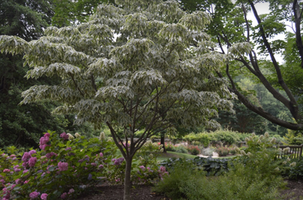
163	141
127	182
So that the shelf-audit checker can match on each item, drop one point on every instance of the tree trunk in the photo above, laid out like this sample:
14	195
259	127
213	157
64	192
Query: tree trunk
127	182
163	141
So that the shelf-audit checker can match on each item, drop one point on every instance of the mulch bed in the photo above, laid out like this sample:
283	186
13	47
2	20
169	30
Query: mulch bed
294	191
115	192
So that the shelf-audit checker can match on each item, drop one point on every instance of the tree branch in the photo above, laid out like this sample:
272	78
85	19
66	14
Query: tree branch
297	16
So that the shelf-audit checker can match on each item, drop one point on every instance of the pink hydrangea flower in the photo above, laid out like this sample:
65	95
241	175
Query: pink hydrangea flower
51	154
32	161
18	181
64	136
26	156
100	166
71	191
34	195
64	195
101	154
6	170
63	166
47	135
32	152
43	141
162	169
43	196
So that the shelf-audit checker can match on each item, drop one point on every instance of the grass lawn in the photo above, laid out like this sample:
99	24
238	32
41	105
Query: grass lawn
171	154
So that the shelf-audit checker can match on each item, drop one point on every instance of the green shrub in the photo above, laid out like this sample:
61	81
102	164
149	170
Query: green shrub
293	169
293	138
186	182
210	165
181	149
170	147
66	166
225	136
222	151
203	138
193	150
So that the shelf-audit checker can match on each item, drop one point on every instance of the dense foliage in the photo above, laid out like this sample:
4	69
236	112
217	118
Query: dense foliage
67	165
138	65
256	174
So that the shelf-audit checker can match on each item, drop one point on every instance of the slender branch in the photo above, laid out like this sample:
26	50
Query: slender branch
246	21
72	76
220	45
297	16
93	82
292	104
116	138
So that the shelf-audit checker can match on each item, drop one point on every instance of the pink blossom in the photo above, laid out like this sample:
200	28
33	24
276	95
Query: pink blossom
118	161
18	181
32	152
64	136
32	161
100	166
43	146
34	195
142	167
162	169
44	140
43	196
49	155
26	181
63	166
93	164
46	135
24	171
24	164
71	191
64	195
6	170
101	154
26	156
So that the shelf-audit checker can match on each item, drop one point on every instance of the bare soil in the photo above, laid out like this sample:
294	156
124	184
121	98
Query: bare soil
115	192
293	191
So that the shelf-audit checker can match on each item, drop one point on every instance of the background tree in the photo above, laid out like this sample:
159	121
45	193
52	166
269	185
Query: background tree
140	65
23	125
235	33
69	12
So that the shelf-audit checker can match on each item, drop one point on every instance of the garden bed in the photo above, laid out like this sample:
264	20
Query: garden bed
294	191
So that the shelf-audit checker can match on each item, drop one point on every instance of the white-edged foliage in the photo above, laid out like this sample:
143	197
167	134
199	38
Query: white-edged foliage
144	65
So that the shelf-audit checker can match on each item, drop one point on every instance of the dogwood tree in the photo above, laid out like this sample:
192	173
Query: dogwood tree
139	65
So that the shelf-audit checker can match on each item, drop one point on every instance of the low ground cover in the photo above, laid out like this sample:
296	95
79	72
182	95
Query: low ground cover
69	168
